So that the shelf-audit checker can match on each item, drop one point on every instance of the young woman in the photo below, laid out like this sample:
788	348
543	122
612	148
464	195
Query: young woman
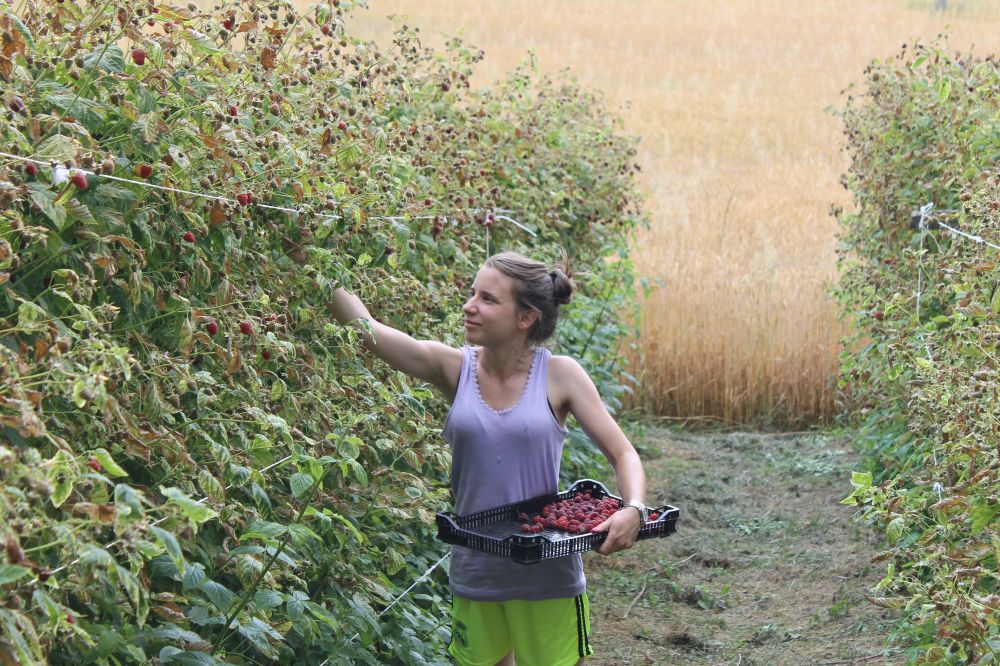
509	403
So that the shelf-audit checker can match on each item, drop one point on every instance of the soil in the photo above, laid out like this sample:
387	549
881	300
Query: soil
766	567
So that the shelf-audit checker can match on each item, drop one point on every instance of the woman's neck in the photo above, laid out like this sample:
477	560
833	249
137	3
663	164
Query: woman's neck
506	361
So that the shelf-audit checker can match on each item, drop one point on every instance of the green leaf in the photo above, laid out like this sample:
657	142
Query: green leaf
347	156
211	486
20	631
31	318
10	573
110	60
133	589
127	501
983	514
62	476
108	463
45	198
170	544
944	89
263	529
895	529
95	556
861	479
219	595
350	526
200	41
267	599
109	642
173	655
87	111
194	577
300	484
58	148
195	511
257	633
45	603
21	28
144	99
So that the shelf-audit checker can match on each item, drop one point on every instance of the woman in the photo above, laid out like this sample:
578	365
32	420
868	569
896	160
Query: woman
509	403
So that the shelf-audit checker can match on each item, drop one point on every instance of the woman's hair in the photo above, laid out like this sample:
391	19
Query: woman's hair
536	287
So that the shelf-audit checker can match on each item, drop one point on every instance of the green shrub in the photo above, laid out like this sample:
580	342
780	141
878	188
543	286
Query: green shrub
921	370
197	464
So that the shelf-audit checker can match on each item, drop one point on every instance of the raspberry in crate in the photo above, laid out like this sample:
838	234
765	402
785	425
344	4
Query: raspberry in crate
550	526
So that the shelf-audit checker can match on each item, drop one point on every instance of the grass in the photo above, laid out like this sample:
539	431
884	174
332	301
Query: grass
741	161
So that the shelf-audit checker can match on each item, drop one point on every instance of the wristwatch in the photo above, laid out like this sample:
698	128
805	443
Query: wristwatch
640	507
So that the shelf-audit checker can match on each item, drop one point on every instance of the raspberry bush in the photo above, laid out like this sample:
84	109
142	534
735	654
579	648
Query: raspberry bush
198	465
921	374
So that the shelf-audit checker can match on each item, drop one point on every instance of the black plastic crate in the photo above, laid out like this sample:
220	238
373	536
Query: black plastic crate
498	530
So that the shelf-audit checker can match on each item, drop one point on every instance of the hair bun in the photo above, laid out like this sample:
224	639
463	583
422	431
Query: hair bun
562	287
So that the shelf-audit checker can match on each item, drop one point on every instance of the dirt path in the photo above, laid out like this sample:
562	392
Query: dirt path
766	567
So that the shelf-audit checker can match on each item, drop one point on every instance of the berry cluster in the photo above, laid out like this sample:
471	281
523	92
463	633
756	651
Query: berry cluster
577	515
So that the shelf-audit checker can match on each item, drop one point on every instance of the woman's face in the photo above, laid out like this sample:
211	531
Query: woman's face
491	313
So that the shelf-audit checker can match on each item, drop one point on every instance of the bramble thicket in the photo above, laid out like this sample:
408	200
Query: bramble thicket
921	375
197	464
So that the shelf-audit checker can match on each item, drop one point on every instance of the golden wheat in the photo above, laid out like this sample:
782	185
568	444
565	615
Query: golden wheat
740	162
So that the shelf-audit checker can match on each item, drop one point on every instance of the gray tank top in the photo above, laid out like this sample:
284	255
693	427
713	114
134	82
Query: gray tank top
500	457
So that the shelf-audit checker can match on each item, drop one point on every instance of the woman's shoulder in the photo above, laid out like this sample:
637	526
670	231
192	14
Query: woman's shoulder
565	368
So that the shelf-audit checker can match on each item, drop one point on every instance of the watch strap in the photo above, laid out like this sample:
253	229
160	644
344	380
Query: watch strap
640	507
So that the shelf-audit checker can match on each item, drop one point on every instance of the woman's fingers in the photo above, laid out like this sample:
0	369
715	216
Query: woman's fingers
622	528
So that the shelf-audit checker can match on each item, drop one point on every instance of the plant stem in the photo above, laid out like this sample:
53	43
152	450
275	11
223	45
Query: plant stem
267	567
600	315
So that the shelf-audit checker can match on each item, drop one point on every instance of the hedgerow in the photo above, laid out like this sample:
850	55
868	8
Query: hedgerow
198	465
921	369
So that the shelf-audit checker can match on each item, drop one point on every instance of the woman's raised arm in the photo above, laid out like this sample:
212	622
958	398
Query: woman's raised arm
426	360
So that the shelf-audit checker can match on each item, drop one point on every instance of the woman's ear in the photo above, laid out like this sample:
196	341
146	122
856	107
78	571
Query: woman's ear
527	319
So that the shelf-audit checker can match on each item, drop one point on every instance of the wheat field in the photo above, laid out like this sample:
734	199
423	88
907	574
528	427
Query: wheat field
741	159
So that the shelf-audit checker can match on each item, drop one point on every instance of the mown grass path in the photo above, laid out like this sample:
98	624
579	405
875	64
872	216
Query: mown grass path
766	566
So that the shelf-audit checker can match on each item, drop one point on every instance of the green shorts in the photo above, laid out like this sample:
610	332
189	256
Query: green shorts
553	632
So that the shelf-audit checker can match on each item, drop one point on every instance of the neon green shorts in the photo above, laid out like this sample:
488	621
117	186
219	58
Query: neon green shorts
554	632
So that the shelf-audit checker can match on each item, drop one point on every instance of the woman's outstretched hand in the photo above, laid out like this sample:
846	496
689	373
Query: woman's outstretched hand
622	528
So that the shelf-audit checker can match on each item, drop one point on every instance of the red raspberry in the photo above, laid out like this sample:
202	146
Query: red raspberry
189	236
94	464
212	328
526	527
246	328
244	198
654	516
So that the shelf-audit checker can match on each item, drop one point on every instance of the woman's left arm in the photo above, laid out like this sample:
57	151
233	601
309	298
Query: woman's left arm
585	404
